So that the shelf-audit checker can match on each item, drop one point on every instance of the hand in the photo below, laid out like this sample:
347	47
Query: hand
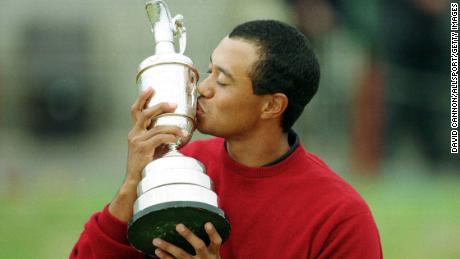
144	142
167	250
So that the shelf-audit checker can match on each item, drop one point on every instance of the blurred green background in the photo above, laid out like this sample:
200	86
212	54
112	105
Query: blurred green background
380	119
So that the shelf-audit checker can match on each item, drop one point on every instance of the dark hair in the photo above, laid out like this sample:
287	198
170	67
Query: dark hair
287	64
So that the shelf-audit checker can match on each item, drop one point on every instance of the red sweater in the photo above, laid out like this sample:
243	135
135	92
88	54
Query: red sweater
297	208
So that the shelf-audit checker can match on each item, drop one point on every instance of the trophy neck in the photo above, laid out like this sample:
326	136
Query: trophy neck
164	47
160	20
165	28
172	150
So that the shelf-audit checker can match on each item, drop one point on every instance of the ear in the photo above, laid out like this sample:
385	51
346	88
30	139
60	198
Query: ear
274	106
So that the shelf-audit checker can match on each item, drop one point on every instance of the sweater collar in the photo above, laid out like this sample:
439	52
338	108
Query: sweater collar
293	141
275	167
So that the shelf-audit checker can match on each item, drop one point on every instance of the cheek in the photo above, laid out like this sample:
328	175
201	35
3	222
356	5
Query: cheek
237	111
228	105
233	106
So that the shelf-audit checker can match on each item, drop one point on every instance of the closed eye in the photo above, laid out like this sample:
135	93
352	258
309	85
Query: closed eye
221	84
209	71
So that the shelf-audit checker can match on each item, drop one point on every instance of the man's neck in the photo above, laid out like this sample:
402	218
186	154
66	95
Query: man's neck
256	149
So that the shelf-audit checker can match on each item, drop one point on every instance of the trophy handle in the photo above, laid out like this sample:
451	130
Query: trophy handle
180	31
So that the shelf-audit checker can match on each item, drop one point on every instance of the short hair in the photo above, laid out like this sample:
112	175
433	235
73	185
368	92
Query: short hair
287	64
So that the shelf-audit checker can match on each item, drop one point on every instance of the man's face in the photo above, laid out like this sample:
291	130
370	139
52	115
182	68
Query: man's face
227	106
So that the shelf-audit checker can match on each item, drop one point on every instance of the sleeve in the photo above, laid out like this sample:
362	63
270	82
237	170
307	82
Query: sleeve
104	236
355	237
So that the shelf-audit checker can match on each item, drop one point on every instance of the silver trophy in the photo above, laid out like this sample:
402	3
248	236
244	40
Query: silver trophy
174	188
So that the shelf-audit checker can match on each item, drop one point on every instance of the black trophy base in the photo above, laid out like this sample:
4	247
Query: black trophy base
160	221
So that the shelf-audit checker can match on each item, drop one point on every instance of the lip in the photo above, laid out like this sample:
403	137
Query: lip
199	109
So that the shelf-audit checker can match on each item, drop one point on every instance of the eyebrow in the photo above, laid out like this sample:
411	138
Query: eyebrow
223	71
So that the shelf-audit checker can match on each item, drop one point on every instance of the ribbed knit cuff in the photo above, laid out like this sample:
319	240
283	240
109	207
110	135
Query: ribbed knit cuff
112	226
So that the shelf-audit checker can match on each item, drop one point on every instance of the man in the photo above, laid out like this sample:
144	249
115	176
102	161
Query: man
281	200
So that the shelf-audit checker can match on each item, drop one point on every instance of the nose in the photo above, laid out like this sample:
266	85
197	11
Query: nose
205	88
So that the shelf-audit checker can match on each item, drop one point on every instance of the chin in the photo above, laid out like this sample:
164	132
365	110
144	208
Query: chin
204	130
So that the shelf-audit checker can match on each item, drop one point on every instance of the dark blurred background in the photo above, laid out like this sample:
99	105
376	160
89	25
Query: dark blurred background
380	119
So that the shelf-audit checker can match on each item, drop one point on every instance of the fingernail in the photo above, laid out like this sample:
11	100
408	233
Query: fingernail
208	226
157	241
180	228
172	105
158	252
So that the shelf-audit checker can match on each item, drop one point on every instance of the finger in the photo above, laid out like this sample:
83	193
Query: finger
200	247
170	249
140	103
153	111
149	97
160	139
214	237
172	130
162	254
